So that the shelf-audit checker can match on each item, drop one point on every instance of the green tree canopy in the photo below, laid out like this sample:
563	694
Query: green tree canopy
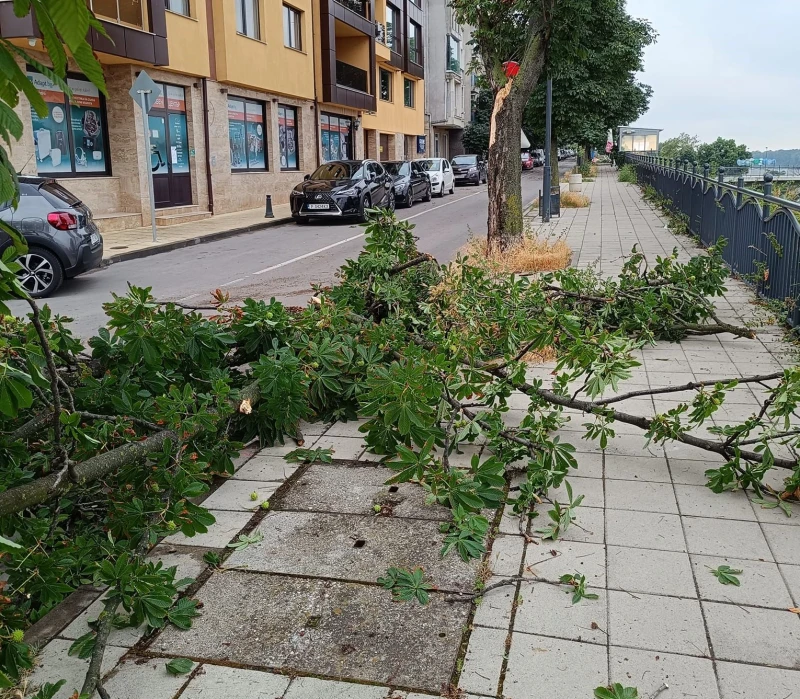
476	135
682	147
724	152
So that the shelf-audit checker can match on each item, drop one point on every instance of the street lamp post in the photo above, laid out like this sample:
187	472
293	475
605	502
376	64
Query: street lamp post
546	174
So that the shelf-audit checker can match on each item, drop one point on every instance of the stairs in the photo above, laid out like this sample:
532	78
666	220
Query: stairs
108	223
174	215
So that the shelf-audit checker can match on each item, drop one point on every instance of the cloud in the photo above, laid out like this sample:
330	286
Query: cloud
724	68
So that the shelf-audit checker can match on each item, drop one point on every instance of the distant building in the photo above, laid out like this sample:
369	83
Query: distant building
633	139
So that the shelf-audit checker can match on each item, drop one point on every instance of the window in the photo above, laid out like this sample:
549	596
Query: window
393	28
336	138
386	85
72	138
247	18
123	11
291	28
408	92
246	137
287	137
415	43
453	54
180	7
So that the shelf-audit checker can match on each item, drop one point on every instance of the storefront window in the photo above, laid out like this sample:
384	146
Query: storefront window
246	136
337	143
287	137
71	139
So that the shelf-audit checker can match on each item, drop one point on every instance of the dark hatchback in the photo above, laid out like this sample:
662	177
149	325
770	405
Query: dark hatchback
468	169
63	240
342	188
411	183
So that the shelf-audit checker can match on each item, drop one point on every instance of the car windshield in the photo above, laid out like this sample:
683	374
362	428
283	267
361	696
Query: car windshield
465	160
339	170
397	169
432	165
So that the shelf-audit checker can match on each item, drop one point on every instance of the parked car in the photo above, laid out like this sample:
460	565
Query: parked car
527	161
440	174
411	183
469	169
63	240
538	158
342	188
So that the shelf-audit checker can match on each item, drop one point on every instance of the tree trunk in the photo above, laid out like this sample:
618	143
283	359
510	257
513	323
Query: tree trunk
554	177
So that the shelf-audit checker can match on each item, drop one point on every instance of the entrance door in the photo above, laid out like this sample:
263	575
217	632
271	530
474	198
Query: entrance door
169	149
384	149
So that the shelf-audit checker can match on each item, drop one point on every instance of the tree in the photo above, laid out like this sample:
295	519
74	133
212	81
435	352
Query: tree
724	152
593	67
476	134
682	147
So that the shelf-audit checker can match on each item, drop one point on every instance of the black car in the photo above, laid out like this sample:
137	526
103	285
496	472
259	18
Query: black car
411	182
342	188
63	240
469	169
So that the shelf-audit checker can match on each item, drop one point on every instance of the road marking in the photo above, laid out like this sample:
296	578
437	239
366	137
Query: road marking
240	279
354	237
186	298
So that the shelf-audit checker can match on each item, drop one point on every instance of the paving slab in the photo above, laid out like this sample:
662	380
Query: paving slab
719	537
219	682
313	688
752	682
143	678
699	501
494	608
355	489
484	661
753	635
762	584
505	557
653	622
265	468
649	530
588	526
570	557
353	547
236	495
646	497
654	572
648	671
784	542
590	488
219	534
342	447
637	468
548	610
322	628
791	574
554	668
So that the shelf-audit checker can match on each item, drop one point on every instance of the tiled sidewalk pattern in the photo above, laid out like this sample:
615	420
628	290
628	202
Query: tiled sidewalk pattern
649	533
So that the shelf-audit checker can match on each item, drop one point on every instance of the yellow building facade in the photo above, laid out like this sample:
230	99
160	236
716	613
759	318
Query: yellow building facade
255	94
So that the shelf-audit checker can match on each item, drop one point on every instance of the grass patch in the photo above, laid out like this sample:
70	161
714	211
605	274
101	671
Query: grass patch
574	200
530	254
627	173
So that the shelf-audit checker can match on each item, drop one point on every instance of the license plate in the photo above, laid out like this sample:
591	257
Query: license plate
94	239
319	207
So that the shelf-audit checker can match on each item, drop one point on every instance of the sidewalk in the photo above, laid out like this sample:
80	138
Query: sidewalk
133	243
299	615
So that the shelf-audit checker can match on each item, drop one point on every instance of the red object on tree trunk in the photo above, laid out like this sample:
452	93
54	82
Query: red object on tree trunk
511	68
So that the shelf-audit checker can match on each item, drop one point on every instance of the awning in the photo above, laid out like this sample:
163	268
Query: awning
525	143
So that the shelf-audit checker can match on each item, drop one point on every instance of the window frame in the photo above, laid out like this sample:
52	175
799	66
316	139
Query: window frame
259	103
381	73
241	15
394	43
186	3
415	54
406	83
453	42
106	150
290	11
350	135
118	19
296	111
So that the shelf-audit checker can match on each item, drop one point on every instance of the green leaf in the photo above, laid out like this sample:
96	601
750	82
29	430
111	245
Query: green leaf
727	575
179	666
48	690
83	647
7	543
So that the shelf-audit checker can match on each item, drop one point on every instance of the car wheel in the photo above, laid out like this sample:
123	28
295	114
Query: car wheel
441	191
410	198
41	273
452	188
366	203
428	194
391	203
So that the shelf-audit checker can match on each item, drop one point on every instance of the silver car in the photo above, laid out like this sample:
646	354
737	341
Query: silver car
63	240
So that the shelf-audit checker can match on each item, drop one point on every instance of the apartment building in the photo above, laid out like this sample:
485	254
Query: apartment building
256	93
448	84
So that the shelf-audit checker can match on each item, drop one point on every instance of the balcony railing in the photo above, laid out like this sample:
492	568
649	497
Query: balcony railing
380	33
357	6
453	65
352	77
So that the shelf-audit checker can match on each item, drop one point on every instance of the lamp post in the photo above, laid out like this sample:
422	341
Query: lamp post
548	130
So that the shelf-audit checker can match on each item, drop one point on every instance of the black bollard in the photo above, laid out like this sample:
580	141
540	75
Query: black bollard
268	213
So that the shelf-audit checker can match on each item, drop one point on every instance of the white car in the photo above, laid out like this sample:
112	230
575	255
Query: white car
440	174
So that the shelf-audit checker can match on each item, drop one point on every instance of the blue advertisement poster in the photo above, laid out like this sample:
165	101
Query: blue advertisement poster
50	133
254	115
178	143
88	139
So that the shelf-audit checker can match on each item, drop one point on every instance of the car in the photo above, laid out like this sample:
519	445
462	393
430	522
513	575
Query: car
440	174
63	239
342	189
469	169
527	160
538	157
411	182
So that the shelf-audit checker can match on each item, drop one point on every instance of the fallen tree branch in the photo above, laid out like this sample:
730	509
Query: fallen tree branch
425	257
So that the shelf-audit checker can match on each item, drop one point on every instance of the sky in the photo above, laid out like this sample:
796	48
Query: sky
727	68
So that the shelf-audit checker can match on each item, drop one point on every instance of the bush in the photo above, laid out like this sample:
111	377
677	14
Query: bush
627	173
574	200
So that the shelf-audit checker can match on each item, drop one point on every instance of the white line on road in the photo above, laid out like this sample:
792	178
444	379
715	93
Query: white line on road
240	279
353	237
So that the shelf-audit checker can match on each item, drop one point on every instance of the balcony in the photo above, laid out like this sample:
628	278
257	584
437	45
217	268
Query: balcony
351	77
360	7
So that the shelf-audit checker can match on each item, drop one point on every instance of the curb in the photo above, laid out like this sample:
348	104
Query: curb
199	240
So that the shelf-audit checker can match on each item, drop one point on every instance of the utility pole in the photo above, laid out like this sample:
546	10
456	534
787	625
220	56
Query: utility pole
548	131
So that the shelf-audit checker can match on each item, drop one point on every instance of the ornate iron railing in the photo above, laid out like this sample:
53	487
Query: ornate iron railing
762	231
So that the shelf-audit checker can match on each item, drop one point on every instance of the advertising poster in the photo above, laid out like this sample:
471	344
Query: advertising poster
50	133
178	143
254	117
176	99
344	139
158	145
236	134
326	137
287	135
87	127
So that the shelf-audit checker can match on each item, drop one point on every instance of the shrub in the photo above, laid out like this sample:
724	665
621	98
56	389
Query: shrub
574	200
627	173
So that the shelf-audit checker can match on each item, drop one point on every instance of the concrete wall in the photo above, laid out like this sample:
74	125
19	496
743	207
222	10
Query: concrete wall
188	41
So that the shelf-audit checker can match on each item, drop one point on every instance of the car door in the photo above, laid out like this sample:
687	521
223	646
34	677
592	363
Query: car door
378	186
417	181
447	176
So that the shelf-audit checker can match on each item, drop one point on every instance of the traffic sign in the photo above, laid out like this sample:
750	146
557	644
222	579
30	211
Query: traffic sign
145	85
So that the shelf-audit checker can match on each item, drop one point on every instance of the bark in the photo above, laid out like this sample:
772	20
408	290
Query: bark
554	177
505	224
105	626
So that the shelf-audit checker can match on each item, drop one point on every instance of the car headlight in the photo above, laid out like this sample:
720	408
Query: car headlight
399	188
347	192
473	169
435	178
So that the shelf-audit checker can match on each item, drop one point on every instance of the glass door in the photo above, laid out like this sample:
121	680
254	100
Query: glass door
169	149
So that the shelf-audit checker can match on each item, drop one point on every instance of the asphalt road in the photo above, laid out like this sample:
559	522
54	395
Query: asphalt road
282	261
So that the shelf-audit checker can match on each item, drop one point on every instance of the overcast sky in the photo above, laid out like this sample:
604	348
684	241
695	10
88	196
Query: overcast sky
726	68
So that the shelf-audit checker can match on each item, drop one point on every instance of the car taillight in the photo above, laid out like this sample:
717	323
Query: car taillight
63	220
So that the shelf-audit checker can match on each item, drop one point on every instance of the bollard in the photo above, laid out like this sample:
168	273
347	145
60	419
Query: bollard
268	213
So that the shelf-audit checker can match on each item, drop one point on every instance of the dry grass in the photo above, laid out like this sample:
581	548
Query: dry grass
574	200
540	356
530	254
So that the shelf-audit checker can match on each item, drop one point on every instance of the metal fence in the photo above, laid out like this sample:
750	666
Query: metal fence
762	231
